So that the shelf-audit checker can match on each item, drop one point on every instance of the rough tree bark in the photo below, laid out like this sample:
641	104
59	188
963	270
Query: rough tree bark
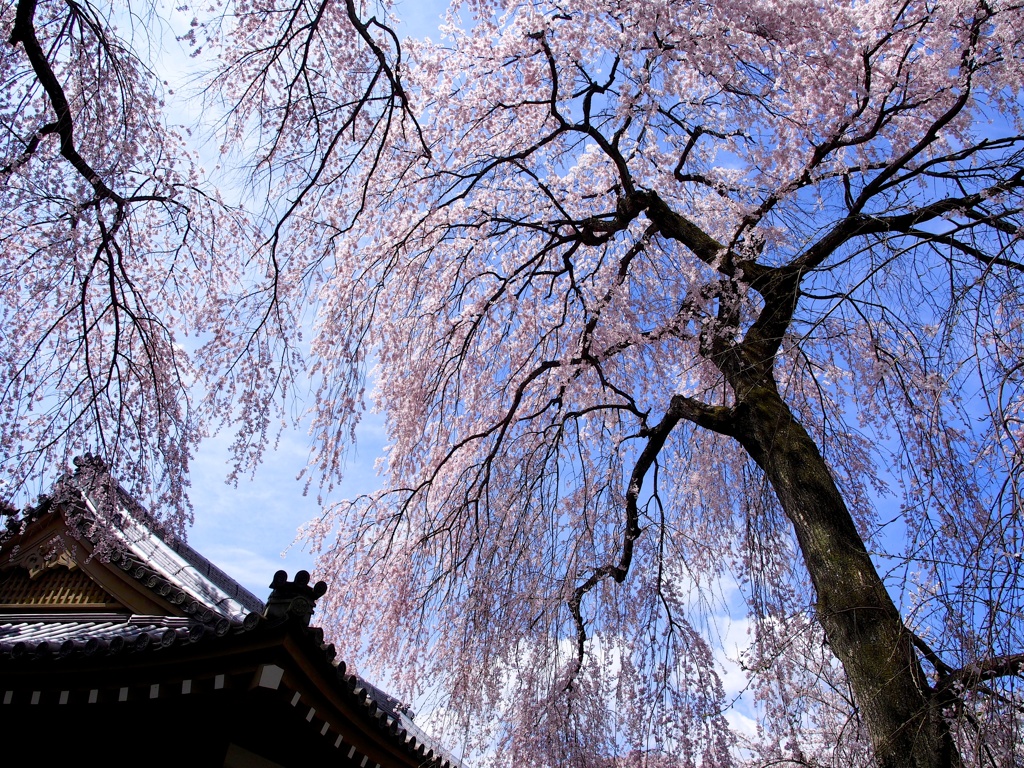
862	625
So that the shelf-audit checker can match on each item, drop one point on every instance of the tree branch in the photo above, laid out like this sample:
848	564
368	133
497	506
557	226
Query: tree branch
24	32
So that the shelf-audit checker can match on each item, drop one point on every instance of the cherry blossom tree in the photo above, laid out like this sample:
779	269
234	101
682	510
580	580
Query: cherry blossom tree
140	311
98	245
678	313
677	306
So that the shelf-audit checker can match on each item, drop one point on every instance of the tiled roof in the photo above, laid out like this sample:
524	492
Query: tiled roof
202	567
174	570
220	615
49	639
44	636
158	559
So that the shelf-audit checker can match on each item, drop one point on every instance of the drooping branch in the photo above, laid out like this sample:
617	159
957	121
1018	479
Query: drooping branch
682	408
24	32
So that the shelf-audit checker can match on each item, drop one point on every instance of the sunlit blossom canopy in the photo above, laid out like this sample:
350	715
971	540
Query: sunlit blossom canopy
688	321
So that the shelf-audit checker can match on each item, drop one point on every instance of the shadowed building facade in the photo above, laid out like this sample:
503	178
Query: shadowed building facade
135	642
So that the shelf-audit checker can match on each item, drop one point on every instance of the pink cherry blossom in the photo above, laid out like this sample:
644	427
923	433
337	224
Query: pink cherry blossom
680	316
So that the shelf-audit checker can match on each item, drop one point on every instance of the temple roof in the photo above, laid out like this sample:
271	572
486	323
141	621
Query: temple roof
127	604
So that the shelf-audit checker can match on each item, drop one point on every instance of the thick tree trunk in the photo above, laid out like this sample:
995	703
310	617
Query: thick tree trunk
863	626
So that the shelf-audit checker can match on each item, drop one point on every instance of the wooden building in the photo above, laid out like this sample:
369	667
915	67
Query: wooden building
136	644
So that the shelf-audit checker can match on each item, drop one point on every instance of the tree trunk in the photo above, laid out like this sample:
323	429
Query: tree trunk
862	624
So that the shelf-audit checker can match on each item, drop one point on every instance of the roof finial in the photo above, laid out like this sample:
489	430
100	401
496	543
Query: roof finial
293	598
